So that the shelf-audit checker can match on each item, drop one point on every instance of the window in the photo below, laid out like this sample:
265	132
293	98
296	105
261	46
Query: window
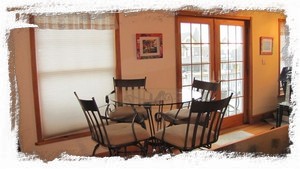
68	60
213	49
195	56
284	59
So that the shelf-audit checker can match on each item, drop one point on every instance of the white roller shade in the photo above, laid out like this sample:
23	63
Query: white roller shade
68	61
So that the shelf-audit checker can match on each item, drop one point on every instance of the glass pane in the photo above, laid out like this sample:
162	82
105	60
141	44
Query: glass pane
232	34
186	54
239	70
206	72
224	34
233	106
232	71
196	54
186	75
185	33
232	88
239	34
205	54
232	52
239	89
240	105
186	92
224	89
204	33
239	52
195	33
231	65
224	52
196	72
224	71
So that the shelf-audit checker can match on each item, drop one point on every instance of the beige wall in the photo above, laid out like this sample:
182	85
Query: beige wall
160	72
264	68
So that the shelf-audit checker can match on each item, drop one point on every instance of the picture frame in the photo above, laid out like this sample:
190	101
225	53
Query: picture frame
149	46
266	45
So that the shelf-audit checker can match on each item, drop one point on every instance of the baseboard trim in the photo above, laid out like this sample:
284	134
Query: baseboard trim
260	117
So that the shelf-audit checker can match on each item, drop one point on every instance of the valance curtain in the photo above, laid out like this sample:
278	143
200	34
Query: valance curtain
77	21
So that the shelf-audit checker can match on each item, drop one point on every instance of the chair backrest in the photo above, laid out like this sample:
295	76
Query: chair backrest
128	86
211	113
130	83
94	119
208	90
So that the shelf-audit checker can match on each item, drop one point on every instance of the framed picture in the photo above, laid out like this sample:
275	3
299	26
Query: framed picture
149	46
266	45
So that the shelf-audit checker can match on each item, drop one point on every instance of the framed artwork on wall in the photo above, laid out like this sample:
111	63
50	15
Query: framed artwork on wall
149	46
266	45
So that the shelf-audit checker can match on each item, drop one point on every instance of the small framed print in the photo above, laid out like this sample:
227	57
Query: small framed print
149	46
266	45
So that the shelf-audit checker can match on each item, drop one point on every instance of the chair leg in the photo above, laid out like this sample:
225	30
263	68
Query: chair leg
164	148
146	147
125	151
95	148
110	152
113	152
143	148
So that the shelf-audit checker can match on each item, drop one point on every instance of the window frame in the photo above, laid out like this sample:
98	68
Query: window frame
280	21
70	135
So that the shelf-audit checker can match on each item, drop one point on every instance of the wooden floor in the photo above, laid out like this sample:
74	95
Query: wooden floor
255	129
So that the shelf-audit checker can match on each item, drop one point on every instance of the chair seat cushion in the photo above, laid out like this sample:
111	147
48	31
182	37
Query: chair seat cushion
175	135
122	133
124	112
183	116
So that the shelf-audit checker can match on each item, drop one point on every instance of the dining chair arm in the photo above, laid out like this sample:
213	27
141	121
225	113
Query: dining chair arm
167	117
107	96
136	119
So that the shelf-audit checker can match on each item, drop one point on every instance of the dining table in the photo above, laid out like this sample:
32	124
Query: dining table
150	97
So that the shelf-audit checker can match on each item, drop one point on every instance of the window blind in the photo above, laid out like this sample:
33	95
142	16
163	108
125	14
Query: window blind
68	61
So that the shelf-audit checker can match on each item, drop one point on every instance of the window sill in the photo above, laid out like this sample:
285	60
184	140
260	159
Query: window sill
65	137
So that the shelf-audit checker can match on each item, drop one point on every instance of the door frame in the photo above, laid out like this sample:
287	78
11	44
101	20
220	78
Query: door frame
247	110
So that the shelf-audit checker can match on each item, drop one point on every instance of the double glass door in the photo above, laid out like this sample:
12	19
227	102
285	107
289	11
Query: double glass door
214	50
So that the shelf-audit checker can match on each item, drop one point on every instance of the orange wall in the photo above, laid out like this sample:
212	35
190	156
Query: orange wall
160	72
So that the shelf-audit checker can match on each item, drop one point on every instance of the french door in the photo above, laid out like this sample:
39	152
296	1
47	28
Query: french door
214	50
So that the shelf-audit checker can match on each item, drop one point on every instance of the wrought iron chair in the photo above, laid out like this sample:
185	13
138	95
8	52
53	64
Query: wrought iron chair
208	92
285	107
125	113
116	136
194	134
